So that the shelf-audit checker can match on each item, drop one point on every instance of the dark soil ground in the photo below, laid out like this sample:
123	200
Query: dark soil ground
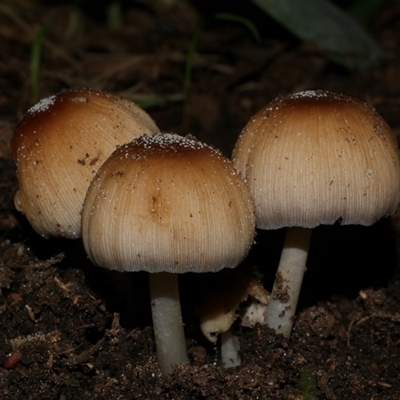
71	331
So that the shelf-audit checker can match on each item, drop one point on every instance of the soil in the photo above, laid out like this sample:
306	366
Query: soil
69	330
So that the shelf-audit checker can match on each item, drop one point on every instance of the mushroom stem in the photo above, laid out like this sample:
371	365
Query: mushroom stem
285	292
230	349
167	321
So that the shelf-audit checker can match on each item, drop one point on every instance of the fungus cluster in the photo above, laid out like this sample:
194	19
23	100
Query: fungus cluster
310	159
94	165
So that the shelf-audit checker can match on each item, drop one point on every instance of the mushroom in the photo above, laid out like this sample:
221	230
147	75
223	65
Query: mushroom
314	158
59	145
167	204
221	299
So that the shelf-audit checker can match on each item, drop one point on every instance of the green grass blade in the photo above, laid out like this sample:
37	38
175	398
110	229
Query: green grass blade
241	20
364	11
114	15
336	32
35	65
189	62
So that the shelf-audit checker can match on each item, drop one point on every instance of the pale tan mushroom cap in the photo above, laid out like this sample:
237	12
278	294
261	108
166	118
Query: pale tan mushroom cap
316	158
59	145
167	203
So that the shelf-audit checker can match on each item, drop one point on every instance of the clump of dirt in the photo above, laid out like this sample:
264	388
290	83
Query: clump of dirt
71	330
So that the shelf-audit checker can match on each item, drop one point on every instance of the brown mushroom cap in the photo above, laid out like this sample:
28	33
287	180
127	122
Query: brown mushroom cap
167	203
58	147
317	157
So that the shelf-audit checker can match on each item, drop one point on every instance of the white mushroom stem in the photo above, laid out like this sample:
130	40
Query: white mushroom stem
230	349
285	293
167	321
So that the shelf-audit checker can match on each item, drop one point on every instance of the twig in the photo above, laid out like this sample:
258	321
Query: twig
379	314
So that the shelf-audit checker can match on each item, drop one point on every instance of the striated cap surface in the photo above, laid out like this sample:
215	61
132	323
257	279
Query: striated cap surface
317	158
59	145
168	203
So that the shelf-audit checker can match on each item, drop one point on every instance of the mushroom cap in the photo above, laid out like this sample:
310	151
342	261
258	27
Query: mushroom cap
59	145
315	158
167	203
